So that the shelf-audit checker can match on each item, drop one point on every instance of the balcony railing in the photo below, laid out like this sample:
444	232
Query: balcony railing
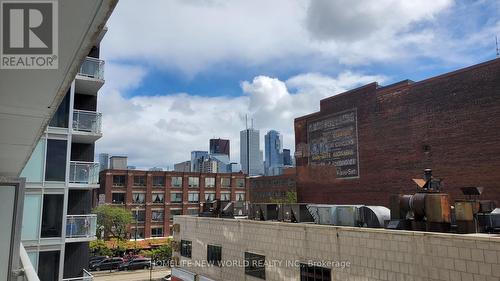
84	172
86	277
81	226
87	121
28	270
93	68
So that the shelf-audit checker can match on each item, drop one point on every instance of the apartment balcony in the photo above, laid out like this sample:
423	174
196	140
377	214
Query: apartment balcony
86	126
81	228
90	77
83	174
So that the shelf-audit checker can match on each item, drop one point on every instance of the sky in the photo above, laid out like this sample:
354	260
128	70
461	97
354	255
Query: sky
179	72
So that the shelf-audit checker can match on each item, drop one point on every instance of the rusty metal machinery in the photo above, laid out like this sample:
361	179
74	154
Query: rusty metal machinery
426	210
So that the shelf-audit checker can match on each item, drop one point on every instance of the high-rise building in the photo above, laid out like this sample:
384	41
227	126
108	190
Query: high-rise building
60	178
219	146
287	157
183	166
250	153
103	161
197	158
273	142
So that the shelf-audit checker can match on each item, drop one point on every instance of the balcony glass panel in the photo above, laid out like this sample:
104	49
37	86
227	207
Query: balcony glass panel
87	121
31	219
84	172
33	171
81	226
93	68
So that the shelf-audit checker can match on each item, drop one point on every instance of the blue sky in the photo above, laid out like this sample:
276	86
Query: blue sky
180	72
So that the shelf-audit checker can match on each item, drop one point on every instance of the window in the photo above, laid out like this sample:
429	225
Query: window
209	182
176	181
140	233
158	198
194	182
240	182
158	181
192	212
55	162
140	215
175	212
31	221
240	196
48	265
225	182
119	180
214	255
255	265
138	198
60	117
52	215
209	196
313	273
157	232
118	198
33	171
139	180
225	196
194	197
157	215
176	197
186	248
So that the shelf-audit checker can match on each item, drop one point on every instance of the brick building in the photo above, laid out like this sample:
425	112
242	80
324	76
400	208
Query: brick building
369	142
156	196
269	189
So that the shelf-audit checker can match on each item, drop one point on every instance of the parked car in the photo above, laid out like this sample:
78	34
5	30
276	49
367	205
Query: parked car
167	277
106	264
96	259
137	263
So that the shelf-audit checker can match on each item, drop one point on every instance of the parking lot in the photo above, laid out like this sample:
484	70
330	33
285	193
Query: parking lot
133	275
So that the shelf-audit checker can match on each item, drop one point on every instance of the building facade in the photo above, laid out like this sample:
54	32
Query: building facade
287	157
183	166
273	144
219	146
60	176
156	197
269	250
197	159
250	153
271	189
368	143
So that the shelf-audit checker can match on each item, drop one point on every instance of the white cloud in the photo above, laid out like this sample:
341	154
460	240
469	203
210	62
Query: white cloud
162	130
194	36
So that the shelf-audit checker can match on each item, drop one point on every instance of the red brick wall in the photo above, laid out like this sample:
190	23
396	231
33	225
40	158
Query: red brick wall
455	117
106	187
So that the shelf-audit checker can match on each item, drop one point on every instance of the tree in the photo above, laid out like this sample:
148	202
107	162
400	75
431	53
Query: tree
112	221
99	247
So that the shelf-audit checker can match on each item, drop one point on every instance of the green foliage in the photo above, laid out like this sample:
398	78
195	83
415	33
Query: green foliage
291	197
164	252
112	221
100	248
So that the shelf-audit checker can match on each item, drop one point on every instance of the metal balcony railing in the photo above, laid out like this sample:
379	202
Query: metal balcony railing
87	121
29	273
81	226
84	172
86	277
93	68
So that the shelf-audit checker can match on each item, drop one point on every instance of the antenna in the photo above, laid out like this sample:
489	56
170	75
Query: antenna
496	40
246	121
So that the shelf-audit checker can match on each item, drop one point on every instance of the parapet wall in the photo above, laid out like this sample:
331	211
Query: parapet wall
351	253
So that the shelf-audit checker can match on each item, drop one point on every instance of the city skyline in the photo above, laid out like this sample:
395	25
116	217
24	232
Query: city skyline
179	89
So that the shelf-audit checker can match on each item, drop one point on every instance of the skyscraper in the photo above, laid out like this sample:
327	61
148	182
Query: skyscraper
250	158
287	158
219	146
197	158
273	142
103	161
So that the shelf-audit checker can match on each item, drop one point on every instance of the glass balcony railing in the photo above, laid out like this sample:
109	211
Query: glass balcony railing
93	68
81	226
87	121
84	172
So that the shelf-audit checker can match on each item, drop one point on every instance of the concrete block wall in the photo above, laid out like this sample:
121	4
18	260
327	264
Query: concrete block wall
373	254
